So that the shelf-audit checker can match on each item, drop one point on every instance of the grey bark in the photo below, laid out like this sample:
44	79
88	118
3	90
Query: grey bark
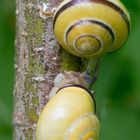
37	64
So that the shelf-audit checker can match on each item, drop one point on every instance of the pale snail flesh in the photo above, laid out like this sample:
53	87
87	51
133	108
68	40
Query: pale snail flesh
91	28
69	115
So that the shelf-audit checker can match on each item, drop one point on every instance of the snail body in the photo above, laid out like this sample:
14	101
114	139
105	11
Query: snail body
91	28
69	115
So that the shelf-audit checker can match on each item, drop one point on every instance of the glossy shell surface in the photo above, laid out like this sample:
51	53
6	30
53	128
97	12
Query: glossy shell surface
69	115
91	28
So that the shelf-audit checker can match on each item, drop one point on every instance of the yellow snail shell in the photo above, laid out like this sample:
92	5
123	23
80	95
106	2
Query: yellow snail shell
90	28
69	115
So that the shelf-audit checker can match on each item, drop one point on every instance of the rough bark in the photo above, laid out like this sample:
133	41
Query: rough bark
38	61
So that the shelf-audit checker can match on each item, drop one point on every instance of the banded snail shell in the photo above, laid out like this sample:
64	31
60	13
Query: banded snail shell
69	115
90	28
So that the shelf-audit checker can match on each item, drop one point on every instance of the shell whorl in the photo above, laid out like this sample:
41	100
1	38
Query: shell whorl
88	28
84	128
69	115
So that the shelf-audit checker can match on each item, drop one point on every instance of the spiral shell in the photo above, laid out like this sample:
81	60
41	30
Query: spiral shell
90	28
69	115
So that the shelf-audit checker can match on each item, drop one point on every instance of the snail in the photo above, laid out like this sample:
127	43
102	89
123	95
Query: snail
69	115
91	28
87	29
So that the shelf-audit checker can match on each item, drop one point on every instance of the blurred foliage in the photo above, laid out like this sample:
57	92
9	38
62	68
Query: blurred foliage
118	87
7	33
117	90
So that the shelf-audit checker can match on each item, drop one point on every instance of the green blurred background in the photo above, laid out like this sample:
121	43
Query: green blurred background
7	33
117	90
